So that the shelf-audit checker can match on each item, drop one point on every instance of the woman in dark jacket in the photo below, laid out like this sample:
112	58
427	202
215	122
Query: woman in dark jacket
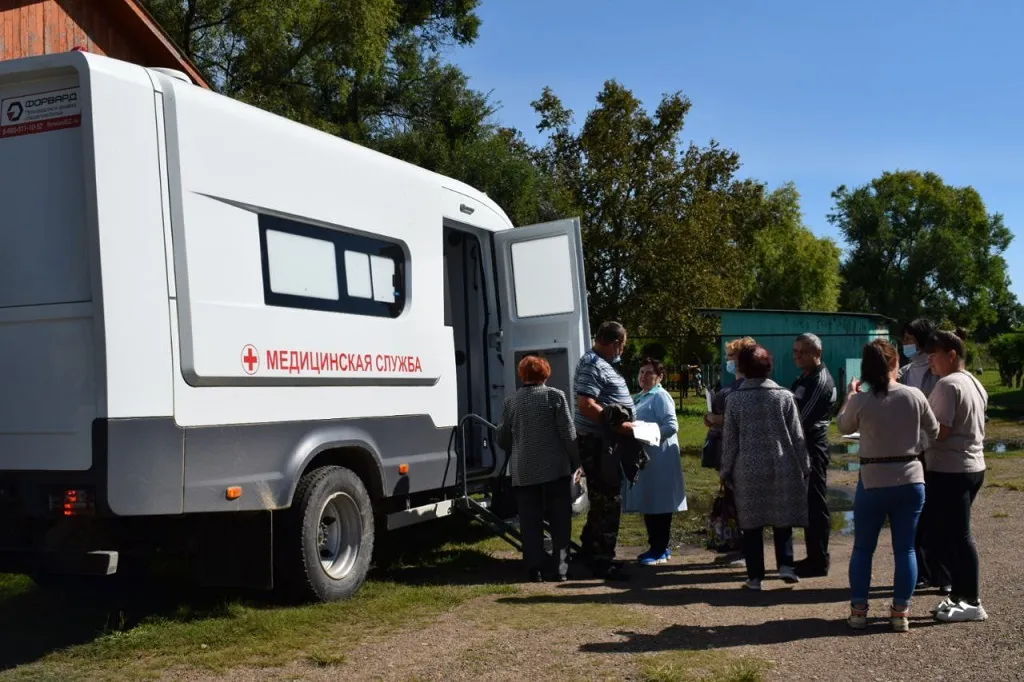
537	431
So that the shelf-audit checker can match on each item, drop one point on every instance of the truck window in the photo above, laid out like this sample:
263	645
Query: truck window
318	276
326	269
548	295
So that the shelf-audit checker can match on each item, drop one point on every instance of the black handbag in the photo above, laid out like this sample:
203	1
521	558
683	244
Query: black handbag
711	454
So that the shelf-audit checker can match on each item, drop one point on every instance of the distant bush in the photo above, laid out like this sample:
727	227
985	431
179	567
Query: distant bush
1008	352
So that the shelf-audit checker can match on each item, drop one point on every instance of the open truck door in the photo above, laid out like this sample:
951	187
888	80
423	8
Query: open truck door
543	300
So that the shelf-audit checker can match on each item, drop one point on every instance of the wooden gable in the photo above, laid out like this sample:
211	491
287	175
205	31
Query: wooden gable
121	29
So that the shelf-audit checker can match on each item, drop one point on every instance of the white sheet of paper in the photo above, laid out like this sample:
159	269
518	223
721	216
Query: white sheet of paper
647	432
707	394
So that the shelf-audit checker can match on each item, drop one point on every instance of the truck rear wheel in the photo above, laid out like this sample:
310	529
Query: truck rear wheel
327	540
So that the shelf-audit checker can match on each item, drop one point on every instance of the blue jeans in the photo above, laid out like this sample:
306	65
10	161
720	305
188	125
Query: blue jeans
902	504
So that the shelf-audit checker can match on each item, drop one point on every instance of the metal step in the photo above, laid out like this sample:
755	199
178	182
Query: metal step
479	511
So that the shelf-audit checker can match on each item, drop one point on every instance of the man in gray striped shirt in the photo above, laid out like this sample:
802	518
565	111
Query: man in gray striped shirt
599	386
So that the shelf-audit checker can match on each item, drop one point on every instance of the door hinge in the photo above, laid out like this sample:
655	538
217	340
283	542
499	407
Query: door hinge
494	339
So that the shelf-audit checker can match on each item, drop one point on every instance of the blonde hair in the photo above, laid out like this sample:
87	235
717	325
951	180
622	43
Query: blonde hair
736	345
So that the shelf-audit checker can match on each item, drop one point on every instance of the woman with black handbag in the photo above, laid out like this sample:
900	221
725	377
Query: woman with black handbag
724	536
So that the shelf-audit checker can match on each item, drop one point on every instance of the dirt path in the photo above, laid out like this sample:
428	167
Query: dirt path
691	613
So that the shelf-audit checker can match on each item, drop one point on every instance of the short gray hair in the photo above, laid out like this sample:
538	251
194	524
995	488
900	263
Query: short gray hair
811	340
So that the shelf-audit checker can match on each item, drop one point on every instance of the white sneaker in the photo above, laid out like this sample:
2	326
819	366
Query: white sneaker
788	574
945	605
962	613
752	584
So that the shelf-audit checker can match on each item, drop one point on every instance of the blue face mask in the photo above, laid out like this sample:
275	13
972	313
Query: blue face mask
910	350
616	360
730	366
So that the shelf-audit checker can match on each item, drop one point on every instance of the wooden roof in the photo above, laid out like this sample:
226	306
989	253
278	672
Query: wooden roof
121	29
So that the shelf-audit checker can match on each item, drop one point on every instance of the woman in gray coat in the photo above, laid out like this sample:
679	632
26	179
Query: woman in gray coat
537	431
765	461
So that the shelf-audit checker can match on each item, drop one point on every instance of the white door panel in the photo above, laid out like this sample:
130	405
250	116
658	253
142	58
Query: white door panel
543	299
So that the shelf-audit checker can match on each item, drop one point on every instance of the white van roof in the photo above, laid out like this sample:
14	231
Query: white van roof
94	62
412	171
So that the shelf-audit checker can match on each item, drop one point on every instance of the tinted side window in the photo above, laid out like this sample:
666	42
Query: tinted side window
318	268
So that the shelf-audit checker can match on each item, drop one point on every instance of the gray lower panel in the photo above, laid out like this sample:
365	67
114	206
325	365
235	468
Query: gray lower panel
267	459
145	462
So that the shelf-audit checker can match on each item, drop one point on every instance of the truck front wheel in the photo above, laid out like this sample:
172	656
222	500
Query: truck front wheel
326	543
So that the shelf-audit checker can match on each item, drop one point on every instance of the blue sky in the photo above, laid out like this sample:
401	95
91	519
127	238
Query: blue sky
821	93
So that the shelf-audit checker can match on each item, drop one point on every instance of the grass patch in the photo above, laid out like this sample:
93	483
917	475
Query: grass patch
1005	409
1005	470
141	636
1000	515
527	615
1016	485
701	666
247	634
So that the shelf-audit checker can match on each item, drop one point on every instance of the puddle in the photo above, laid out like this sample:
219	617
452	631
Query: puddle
1000	446
993	446
844	466
842	522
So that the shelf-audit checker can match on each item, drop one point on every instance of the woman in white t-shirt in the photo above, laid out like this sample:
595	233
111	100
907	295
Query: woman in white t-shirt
955	471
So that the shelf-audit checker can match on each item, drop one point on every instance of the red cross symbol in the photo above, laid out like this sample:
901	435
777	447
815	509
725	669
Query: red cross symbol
250	359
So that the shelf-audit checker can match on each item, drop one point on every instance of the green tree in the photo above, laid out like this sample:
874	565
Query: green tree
789	267
922	247
662	224
350	67
1008	352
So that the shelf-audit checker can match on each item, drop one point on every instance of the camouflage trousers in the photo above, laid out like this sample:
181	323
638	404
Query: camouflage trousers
601	531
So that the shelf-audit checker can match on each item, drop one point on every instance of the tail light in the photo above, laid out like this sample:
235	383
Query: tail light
74	502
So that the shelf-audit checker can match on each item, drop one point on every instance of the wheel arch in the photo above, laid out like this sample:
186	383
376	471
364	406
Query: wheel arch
349	447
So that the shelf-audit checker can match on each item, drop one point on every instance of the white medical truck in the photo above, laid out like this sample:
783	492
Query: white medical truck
232	337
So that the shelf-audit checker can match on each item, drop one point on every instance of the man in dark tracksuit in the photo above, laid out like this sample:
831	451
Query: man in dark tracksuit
815	394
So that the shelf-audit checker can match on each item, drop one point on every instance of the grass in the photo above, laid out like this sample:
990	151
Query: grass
1005	470
247	634
1005	410
541	615
152	633
701	666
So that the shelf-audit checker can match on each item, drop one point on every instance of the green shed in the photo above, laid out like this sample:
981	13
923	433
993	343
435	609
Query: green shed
843	336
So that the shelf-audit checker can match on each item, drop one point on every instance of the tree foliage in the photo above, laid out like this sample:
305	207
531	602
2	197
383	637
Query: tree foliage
350	67
1008	352
789	268
922	247
661	223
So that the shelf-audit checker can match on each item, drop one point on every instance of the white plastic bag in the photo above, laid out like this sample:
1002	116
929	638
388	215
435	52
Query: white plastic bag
580	501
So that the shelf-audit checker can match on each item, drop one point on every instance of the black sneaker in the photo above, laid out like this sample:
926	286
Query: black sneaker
805	569
536	576
612	572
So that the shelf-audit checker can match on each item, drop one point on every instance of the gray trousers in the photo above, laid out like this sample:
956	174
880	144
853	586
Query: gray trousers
551	501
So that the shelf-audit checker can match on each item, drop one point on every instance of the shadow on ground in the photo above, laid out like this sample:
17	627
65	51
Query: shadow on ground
37	621
697	638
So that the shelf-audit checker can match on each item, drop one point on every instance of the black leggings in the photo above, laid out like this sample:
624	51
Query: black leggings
659	527
949	500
